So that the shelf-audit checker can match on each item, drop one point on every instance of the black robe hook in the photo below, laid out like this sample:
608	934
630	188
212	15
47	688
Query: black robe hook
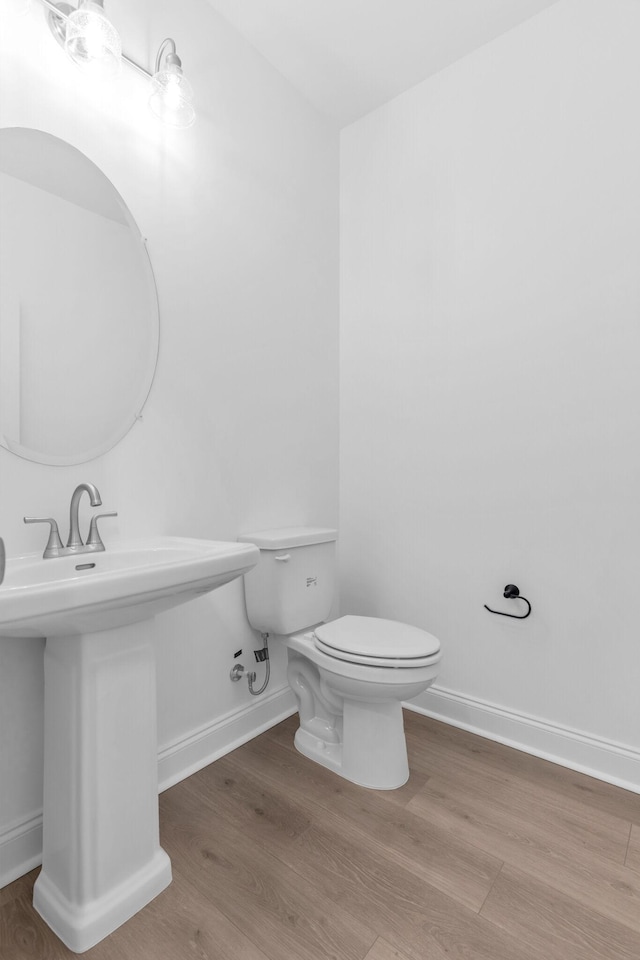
511	592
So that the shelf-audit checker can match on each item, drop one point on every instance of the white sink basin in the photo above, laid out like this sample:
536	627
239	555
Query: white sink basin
127	583
101	857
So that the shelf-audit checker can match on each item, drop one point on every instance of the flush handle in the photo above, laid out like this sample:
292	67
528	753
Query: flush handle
283	557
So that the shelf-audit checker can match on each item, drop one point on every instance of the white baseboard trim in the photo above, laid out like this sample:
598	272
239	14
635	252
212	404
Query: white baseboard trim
607	760
20	848
191	753
21	841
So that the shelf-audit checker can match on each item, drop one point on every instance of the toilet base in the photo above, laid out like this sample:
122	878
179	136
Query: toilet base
373	752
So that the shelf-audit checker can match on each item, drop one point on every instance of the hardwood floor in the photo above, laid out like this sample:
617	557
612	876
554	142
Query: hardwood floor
485	854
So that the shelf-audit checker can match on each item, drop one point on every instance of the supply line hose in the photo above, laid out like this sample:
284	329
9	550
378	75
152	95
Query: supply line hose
260	655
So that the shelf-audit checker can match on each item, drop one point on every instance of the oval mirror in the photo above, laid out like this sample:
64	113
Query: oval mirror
79	324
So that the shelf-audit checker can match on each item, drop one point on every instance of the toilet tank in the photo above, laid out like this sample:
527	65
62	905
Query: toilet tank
292	585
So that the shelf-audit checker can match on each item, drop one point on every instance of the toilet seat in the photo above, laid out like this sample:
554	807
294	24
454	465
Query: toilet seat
376	642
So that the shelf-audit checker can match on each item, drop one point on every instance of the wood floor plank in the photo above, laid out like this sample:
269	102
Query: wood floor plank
495	767
382	950
254	889
178	923
537	848
420	920
276	858
459	869
424	732
633	853
25	936
239	797
20	887
575	826
556	925
182	923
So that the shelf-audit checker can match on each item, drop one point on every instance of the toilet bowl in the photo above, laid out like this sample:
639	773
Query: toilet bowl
351	712
350	675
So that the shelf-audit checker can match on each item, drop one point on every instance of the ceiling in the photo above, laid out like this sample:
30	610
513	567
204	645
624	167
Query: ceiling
348	57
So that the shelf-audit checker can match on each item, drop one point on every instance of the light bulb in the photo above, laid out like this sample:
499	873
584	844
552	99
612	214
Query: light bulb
91	40
171	94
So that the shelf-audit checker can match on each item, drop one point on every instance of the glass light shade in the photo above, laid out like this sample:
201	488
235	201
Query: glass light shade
91	40
171	96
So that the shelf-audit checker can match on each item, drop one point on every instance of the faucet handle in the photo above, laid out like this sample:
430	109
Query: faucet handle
54	543
94	540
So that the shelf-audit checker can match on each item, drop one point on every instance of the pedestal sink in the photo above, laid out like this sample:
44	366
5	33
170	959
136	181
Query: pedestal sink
102	860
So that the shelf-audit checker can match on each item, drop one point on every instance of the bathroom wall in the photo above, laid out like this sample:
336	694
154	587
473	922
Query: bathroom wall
490	338
240	431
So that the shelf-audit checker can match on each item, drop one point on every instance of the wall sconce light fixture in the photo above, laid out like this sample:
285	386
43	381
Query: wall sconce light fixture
93	43
171	92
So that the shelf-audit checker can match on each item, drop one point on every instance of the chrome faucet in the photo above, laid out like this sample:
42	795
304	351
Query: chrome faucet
2	559
75	543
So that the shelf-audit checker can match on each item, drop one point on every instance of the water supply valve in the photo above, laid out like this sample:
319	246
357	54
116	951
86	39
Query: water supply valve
236	672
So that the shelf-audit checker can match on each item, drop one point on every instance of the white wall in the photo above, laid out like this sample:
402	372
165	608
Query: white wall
490	337
240	431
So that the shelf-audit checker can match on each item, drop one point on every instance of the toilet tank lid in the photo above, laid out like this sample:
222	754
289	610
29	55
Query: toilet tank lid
280	538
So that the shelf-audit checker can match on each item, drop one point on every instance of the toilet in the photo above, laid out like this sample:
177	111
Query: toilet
349	675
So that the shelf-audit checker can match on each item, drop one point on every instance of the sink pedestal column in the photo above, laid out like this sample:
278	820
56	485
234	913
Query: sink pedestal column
102	860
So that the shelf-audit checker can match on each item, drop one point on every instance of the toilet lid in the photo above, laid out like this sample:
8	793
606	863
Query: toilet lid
377	642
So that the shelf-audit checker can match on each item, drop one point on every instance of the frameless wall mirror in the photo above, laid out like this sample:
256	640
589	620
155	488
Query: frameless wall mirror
79	324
